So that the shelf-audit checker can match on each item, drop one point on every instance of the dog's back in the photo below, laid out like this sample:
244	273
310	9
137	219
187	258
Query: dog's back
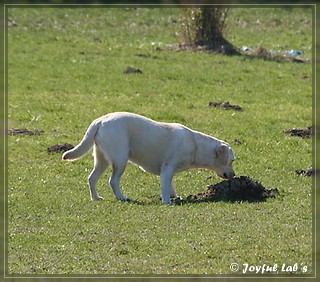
143	141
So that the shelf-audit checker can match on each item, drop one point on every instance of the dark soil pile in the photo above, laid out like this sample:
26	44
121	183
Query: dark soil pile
301	132
226	106
60	148
132	70
237	142
17	131
302	172
146	56
238	189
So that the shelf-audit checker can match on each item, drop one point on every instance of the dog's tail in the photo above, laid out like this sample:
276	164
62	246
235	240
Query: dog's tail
85	145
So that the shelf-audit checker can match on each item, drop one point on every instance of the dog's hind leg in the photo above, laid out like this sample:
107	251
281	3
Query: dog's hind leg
100	165
117	171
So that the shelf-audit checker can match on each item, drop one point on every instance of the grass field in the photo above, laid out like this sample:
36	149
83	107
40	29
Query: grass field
65	68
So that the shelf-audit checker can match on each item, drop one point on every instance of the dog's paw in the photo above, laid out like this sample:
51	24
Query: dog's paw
177	200
169	202
97	199
126	200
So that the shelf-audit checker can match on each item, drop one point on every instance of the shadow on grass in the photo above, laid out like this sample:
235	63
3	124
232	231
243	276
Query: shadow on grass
266	55
230	50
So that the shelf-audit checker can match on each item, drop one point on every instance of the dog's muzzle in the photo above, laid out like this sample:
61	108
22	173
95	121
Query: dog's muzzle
227	175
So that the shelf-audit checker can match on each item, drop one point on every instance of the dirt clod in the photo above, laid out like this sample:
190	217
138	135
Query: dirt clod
302	172
60	148
238	189
225	105
237	142
146	56
301	132
17	131
132	70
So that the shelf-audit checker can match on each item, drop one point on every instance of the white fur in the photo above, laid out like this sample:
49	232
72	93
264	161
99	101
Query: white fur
161	148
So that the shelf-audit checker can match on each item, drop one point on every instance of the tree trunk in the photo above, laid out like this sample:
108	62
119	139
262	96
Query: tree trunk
205	28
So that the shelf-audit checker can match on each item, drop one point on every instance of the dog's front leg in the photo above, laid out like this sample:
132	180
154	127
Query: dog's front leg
173	193
166	176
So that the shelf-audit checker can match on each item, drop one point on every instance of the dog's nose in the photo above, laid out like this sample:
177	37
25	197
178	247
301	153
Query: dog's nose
230	176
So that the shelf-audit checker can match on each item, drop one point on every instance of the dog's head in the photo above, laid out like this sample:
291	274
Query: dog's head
224	160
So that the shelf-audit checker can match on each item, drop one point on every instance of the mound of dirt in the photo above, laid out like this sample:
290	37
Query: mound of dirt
301	132
226	106
17	131
238	189
60	148
302	172
132	70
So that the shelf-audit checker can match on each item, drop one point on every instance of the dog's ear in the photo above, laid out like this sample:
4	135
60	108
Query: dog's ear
222	153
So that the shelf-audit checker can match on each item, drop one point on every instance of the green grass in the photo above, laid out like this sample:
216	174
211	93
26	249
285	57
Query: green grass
65	68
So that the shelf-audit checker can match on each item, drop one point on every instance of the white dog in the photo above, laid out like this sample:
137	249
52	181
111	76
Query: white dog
161	148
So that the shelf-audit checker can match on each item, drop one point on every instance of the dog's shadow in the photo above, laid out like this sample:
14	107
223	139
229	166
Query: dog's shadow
194	199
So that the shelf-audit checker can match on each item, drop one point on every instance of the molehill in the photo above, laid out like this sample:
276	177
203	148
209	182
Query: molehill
238	189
